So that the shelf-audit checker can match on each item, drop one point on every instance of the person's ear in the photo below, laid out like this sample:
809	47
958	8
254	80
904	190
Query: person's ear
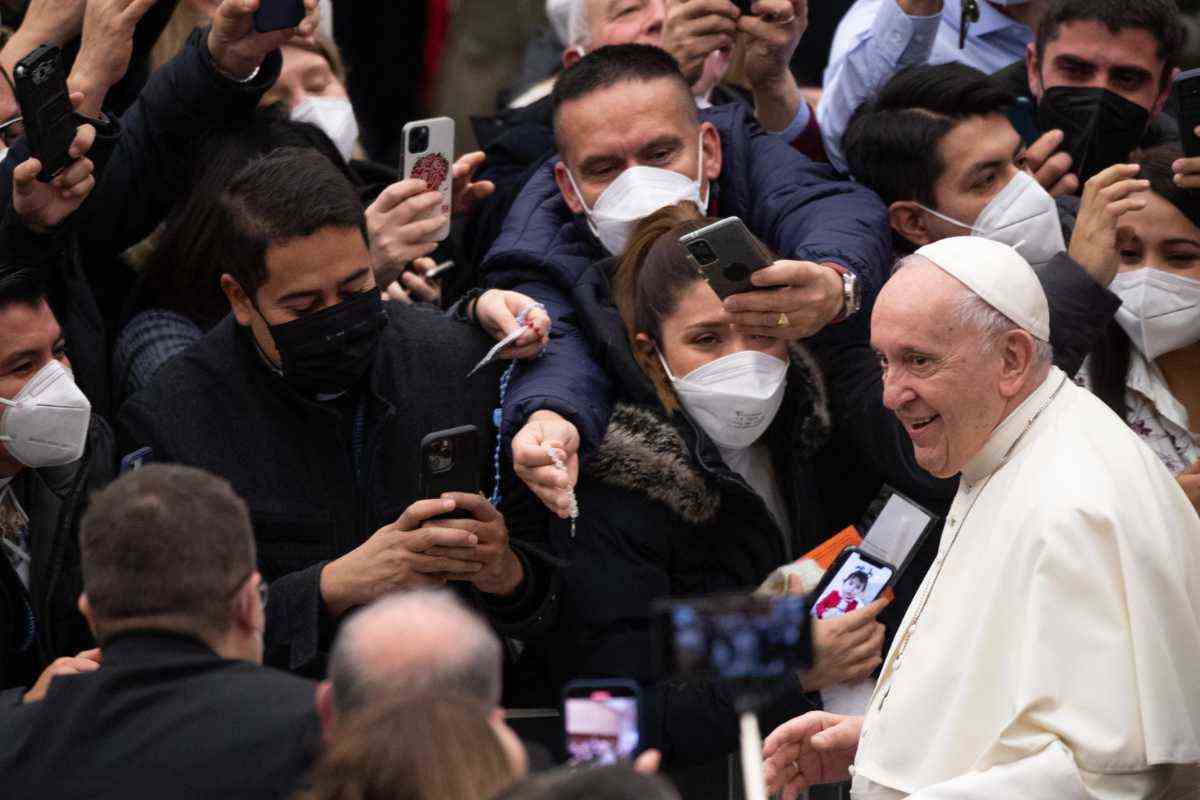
711	142
248	614
1165	93
239	301
908	219
571	56
85	608
325	713
574	202
1033	71
1017	356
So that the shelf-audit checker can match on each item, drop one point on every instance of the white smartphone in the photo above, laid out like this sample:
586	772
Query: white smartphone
429	156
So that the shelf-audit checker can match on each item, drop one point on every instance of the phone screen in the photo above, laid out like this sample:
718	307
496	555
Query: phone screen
601	725
857	583
733	637
897	531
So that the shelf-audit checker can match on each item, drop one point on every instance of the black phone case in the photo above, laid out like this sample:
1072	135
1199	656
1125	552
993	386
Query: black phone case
739	255
277	15
463	475
41	88
836	566
1188	91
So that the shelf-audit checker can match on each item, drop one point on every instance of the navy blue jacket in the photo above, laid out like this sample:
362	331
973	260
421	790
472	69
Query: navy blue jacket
802	210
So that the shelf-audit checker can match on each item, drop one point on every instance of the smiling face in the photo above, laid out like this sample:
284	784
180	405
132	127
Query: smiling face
1087	54
938	378
651	123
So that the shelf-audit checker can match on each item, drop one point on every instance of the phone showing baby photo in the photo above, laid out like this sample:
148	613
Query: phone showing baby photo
855	580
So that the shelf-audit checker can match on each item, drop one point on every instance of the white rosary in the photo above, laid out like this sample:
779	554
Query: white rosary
558	462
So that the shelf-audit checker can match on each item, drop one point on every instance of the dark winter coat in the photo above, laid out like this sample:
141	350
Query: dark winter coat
54	498
800	209
319	478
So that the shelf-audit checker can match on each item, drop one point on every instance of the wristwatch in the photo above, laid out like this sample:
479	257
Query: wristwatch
851	292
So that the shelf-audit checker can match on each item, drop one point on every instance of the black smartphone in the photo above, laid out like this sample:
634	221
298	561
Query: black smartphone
451	461
1187	87
41	88
731	637
726	254
601	722
276	15
855	579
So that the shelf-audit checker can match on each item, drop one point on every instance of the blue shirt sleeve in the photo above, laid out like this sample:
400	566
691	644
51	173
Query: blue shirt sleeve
874	41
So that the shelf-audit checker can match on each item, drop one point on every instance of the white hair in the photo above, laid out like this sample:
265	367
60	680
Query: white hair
974	313
569	19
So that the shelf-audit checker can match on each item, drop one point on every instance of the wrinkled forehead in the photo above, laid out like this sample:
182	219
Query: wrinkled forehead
623	118
914	307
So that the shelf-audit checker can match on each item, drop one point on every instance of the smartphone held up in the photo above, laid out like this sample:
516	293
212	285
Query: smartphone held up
429	156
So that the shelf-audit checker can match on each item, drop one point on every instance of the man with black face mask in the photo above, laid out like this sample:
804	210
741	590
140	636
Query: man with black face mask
312	399
1100	72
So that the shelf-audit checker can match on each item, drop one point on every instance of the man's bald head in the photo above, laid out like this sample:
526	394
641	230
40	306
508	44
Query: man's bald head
414	643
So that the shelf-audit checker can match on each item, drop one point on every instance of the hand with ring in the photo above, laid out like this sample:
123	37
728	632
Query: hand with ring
797	299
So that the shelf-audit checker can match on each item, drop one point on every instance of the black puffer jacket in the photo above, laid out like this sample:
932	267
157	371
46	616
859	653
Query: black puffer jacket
661	515
54	498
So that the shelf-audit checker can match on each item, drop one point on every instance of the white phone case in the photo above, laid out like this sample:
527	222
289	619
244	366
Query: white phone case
434	163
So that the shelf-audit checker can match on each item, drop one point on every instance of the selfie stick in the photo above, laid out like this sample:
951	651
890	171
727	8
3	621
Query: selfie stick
752	766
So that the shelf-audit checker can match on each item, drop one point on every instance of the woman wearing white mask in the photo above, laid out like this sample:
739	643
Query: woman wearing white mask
1147	366
706	481
312	85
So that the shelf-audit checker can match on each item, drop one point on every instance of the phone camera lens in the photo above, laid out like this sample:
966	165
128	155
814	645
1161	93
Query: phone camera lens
703	253
441	456
737	272
418	139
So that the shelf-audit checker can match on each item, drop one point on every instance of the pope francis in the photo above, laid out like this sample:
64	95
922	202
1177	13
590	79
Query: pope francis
1053	649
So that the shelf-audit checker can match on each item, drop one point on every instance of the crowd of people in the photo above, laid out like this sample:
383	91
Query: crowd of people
228	337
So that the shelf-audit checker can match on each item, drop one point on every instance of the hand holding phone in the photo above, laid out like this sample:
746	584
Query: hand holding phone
855	580
40	84
726	254
277	15
429	156
451	462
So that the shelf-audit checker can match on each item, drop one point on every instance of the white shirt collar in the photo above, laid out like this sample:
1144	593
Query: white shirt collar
1004	438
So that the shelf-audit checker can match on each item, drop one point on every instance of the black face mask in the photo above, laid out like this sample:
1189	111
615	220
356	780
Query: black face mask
329	351
1100	127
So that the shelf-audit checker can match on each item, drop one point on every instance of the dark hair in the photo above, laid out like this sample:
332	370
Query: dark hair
652	275
892	142
1159	17
600	783
183	272
20	284
615	64
859	575
431	748
1108	366
165	546
288	194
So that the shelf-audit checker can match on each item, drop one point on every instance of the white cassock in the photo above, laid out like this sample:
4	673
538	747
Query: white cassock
1053	650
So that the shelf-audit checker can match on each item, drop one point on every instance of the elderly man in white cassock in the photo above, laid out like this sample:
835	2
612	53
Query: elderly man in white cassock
1053	649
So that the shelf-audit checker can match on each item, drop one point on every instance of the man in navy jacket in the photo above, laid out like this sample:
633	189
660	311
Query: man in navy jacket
629	106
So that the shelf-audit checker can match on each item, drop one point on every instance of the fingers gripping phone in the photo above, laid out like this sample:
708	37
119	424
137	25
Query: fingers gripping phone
40	84
855	580
726	254
429	156
1187	86
451	461
277	15
600	722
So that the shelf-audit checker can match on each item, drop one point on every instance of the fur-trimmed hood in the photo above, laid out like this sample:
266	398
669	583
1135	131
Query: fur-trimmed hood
646	452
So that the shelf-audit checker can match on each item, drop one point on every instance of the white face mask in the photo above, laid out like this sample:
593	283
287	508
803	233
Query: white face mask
1160	312
735	398
335	116
636	194
46	424
1023	216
